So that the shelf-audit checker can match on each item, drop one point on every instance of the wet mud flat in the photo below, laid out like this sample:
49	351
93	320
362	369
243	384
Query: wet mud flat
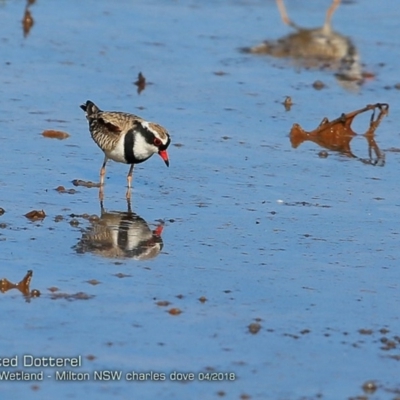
262	264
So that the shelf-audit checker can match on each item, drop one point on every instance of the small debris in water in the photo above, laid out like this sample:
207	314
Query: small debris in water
369	387
254	328
35	215
323	154
71	297
163	303
121	275
220	73
287	103
294	336
52	134
61	189
74	222
388	344
140	83
174	311
202	299
2	211
368	75
365	331
93	282
88	184
306	204
22	286
318	85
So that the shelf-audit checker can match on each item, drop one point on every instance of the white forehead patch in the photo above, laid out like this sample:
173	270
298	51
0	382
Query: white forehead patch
158	130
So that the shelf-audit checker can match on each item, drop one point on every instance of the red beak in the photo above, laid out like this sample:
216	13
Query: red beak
164	155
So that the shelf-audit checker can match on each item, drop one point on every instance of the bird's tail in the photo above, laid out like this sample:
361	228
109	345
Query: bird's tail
90	108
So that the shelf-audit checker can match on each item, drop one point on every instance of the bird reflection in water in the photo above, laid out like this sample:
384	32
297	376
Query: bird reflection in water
119	234
336	135
321	48
23	286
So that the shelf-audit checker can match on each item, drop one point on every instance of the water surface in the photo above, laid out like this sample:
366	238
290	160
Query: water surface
254	231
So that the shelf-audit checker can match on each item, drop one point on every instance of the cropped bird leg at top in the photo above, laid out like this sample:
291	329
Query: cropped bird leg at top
330	12
286	20
284	16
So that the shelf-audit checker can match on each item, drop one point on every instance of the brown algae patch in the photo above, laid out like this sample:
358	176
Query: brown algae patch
53	134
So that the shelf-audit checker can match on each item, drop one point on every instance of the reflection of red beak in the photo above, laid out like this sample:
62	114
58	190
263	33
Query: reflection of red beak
158	230
164	155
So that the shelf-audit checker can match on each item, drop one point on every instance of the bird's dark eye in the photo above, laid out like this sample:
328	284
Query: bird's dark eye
157	142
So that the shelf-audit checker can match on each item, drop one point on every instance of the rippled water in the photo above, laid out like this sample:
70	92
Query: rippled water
246	256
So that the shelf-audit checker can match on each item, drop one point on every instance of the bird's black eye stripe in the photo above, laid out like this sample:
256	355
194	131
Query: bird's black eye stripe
165	146
149	136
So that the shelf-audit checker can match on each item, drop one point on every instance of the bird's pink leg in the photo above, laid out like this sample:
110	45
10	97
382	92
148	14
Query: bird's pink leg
103	171
102	175
129	179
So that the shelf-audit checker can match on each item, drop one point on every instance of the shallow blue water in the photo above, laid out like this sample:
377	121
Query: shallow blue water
307	245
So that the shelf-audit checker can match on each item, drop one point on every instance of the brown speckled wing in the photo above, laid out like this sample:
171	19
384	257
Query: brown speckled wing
111	127
118	121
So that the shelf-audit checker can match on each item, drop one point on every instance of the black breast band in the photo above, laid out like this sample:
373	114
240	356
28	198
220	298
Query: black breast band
128	147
